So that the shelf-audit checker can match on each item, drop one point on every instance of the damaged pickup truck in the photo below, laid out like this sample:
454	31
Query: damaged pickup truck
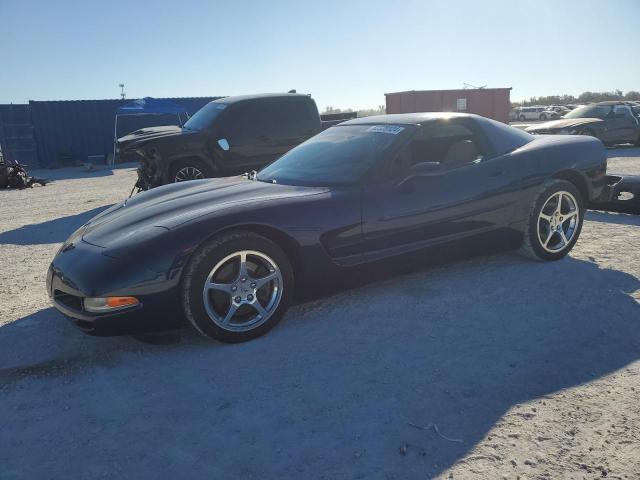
226	137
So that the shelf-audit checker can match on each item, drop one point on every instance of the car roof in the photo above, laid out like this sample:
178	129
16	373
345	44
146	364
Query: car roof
612	102
243	98
407	118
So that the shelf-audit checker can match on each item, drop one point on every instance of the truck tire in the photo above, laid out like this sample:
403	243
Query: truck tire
189	169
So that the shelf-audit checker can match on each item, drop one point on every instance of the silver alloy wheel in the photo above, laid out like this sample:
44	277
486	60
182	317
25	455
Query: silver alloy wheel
243	290
188	173
558	221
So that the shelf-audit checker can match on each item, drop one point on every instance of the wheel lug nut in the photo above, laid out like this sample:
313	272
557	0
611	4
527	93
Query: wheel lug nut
237	299
243	279
250	297
253	284
234	288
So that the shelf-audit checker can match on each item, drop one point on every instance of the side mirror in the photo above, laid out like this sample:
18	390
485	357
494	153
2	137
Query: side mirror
224	144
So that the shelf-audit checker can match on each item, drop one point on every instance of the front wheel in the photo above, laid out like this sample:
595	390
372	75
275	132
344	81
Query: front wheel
543	117
522	118
190	169
555	221
237	287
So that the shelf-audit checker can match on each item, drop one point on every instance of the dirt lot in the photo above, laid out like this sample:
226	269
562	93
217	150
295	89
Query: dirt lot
512	368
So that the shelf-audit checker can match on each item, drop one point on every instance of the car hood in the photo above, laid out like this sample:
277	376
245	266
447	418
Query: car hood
167	207
143	135
563	123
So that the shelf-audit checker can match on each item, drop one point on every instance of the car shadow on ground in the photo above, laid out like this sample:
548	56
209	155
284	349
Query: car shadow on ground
74	173
621	151
616	218
52	231
332	391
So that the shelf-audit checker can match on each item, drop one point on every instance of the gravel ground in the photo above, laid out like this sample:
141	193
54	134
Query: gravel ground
489	367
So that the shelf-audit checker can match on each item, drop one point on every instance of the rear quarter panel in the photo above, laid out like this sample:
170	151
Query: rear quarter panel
579	158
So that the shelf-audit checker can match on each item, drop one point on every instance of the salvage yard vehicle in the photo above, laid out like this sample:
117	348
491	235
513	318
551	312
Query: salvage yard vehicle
612	122
231	254
227	136
532	113
622	194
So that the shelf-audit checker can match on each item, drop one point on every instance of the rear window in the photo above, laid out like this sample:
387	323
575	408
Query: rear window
503	137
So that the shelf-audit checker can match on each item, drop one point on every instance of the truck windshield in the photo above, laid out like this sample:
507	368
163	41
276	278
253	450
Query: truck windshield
341	155
204	117
589	111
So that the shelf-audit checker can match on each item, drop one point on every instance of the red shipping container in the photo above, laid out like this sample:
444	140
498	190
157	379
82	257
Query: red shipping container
489	102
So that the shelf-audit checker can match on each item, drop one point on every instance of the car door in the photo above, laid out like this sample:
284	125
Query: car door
622	126
404	212
243	138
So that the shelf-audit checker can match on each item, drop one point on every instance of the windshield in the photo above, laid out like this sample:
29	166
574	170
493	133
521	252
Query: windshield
341	155
204	117
589	111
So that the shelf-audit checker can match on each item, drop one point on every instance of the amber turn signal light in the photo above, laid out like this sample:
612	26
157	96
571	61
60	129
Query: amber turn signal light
106	304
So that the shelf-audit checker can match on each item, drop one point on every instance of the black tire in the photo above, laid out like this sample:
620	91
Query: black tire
189	165
532	246
522	118
206	258
543	116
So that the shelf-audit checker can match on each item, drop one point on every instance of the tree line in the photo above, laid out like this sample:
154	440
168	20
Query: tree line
584	97
380	110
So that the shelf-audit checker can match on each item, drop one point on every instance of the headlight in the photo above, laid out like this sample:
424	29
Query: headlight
109	304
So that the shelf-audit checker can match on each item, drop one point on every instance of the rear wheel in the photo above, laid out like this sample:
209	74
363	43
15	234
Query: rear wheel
555	221
522	118
190	169
237	287
543	116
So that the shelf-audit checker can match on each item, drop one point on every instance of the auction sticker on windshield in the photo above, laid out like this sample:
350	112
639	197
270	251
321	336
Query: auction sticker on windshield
392	129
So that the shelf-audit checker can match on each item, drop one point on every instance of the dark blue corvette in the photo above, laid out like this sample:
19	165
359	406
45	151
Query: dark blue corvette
229	253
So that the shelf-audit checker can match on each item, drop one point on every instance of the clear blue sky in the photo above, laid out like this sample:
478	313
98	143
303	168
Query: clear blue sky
345	53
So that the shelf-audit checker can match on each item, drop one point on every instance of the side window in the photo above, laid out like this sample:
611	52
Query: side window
246	123
622	111
293	119
450	144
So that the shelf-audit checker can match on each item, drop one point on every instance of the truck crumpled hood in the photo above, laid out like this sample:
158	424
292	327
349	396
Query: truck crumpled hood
170	206
145	134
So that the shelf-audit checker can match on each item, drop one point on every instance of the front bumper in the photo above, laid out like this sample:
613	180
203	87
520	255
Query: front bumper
83	271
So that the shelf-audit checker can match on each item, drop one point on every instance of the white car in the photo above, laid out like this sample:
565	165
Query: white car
534	113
